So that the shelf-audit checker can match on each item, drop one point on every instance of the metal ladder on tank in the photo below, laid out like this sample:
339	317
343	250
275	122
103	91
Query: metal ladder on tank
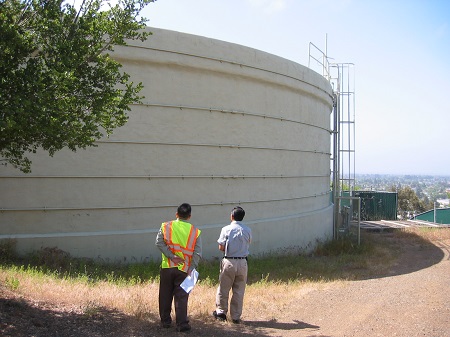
342	162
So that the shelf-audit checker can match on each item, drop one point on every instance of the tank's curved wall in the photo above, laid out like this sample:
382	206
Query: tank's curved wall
221	125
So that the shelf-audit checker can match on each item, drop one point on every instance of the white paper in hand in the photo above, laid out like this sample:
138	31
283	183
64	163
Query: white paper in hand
190	281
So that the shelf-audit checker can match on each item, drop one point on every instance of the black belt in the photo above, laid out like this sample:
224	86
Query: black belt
235	258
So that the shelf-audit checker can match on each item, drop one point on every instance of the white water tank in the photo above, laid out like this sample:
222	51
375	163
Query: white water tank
220	125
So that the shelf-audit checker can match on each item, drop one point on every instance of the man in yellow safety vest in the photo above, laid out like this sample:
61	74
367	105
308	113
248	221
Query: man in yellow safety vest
181	248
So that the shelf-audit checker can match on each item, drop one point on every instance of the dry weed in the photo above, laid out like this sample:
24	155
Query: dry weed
138	300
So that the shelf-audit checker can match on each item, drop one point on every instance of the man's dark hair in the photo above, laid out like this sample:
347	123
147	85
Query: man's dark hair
184	211
238	213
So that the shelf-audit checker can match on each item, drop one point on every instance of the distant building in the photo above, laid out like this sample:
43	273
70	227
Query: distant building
442	216
443	202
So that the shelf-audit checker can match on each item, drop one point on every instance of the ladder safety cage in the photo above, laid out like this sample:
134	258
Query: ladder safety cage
343	127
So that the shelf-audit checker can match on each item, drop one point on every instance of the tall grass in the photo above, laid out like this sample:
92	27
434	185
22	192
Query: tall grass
324	263
329	261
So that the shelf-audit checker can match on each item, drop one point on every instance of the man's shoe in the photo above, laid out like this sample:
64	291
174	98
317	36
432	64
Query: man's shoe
236	321
220	317
166	325
184	328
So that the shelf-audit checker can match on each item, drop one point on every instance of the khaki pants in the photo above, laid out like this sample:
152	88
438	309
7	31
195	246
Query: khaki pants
233	276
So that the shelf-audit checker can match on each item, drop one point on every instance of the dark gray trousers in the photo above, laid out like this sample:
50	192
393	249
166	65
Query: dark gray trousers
170	290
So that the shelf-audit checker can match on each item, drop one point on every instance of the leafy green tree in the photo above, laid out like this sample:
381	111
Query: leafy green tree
408	201
59	86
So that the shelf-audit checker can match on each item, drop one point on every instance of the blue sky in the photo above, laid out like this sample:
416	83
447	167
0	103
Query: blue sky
401	52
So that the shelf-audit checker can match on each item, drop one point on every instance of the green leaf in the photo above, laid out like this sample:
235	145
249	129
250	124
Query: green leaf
59	88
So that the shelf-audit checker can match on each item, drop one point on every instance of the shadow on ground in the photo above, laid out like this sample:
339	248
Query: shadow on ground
19	317
414	252
23	318
212	328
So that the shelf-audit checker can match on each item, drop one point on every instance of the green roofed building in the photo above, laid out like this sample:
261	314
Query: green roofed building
442	216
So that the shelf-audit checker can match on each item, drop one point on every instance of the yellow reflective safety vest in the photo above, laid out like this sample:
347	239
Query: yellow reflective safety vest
180	237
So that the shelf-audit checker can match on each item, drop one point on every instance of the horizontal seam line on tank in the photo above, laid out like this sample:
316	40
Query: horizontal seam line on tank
237	146
239	112
240	65
45	209
211	176
149	230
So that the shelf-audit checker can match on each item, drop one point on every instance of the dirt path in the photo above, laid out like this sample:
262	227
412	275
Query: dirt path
411	304
413	299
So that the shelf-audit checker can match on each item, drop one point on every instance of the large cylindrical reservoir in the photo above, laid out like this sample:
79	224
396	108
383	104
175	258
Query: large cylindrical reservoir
220	125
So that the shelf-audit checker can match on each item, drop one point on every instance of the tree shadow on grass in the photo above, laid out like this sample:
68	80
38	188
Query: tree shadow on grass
20	318
23	318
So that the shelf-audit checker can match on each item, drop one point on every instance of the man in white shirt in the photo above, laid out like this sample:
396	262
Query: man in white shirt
234	241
